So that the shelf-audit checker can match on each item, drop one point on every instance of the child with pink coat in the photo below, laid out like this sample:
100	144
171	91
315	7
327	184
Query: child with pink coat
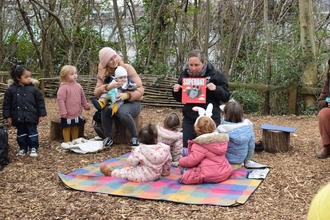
170	133
147	162
206	161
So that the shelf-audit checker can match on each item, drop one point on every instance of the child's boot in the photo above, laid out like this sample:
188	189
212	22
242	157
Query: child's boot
105	170
99	104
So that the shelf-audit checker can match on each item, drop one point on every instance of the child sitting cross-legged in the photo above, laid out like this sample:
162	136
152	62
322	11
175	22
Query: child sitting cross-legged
241	145
147	162
206	161
170	133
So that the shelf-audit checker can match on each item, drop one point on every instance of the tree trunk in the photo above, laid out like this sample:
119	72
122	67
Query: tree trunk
120	29
266	106
309	50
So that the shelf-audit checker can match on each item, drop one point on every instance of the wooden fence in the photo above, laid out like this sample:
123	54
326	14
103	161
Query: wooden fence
158	90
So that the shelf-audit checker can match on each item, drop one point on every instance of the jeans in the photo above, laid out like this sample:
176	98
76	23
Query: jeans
126	114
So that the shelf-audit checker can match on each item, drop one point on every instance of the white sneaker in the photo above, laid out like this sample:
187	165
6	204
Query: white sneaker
21	153
33	152
254	165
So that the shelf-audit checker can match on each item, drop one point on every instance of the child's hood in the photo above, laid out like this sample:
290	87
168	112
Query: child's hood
35	82
229	126
211	138
168	134
155	153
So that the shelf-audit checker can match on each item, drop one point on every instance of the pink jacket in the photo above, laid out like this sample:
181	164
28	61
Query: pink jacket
70	99
146	163
174	140
206	160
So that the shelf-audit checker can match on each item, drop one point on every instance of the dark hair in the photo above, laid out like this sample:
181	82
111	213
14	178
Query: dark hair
197	53
17	71
233	112
172	122
148	134
328	72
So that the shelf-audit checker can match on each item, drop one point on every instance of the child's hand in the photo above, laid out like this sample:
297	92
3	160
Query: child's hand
9	120
87	107
41	118
63	116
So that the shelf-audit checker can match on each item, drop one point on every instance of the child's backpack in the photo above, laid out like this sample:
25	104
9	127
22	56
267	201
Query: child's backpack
4	160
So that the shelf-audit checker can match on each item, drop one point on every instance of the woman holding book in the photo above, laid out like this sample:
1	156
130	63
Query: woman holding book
197	66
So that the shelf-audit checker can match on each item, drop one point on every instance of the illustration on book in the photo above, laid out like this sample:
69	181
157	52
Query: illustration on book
194	90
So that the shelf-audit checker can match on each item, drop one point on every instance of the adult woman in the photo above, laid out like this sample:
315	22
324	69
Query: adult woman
324	117
216	91
109	61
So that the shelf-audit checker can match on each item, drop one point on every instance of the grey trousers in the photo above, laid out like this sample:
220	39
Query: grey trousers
126	114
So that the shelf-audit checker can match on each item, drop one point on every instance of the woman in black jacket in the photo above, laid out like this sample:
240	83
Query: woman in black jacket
216	91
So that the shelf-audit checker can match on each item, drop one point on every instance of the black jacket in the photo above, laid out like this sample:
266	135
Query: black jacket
221	93
23	104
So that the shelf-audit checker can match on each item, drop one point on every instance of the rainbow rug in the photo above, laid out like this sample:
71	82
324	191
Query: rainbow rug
234	191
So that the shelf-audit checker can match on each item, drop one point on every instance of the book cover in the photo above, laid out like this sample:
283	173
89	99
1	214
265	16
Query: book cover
194	90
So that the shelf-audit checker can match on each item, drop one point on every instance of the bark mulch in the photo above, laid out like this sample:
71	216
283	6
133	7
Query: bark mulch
30	188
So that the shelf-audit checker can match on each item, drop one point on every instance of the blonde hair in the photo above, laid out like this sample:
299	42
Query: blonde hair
65	71
172	122
204	125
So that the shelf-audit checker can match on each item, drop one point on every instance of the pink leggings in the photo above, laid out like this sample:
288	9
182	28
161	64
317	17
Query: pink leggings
324	125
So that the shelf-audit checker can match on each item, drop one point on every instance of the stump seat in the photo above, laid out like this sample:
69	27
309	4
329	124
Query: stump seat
123	136
276	138
56	130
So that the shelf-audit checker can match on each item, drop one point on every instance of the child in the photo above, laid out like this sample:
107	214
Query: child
170	133
70	99
112	95
206	161
241	145
24	107
147	162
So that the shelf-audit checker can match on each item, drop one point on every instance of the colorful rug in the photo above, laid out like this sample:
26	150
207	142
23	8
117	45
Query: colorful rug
234	191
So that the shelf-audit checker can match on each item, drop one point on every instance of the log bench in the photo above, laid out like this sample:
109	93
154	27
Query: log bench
56	130
124	137
276	138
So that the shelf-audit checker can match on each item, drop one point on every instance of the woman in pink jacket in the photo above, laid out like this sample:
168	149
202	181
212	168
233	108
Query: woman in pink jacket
147	162
206	161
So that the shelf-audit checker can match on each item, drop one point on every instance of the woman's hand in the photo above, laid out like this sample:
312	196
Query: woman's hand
211	86
176	87
10	120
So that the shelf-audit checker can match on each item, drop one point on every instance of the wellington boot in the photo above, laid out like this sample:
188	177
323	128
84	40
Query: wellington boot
323	152
105	170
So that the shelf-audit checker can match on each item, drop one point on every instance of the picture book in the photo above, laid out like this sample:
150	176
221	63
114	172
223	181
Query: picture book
194	90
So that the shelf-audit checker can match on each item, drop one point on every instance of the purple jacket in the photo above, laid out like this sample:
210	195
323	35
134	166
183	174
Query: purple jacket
206	160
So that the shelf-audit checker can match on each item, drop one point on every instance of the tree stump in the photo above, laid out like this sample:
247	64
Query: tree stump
56	129
276	141
123	136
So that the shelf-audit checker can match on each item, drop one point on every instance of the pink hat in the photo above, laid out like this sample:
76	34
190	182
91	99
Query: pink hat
105	54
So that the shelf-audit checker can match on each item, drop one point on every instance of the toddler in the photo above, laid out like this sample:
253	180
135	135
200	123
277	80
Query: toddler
147	162
241	145
24	107
70	99
111	96
206	161
170	133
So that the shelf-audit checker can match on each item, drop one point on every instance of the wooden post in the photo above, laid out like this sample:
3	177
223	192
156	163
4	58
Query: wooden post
55	132
276	141
293	99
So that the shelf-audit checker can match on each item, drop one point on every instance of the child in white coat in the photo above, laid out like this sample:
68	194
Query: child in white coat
147	162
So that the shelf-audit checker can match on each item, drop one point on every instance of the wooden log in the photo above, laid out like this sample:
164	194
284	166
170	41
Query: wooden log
56	130
276	141
124	137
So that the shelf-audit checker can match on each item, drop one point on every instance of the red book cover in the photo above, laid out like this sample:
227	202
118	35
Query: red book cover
193	90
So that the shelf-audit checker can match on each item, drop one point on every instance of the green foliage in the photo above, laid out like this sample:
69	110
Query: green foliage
249	99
